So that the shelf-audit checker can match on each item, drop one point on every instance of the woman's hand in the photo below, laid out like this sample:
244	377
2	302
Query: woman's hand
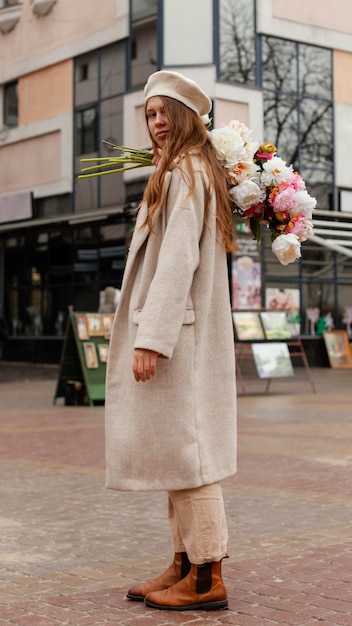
144	364
157	154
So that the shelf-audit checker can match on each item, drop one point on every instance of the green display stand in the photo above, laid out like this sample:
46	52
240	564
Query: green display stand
83	363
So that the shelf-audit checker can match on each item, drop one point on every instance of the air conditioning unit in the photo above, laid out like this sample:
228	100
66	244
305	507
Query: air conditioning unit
9	16
42	7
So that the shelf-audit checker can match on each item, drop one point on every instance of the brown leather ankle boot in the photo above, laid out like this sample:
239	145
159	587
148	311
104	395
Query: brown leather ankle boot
203	588
178	569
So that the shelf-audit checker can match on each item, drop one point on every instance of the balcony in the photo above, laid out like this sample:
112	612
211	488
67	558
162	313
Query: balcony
333	230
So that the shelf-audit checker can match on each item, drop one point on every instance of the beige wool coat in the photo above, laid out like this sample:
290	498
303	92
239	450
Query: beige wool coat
177	430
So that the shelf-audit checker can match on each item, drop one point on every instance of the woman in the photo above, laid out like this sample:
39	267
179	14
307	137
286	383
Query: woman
170	402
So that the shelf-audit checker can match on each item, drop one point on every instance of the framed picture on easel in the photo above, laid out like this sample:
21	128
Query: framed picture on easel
272	360
275	325
338	348
248	326
90	355
94	325
82	328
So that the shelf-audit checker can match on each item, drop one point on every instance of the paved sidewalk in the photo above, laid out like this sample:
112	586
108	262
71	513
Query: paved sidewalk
69	549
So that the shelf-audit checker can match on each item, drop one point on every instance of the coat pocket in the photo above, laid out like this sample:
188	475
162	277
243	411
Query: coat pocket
189	316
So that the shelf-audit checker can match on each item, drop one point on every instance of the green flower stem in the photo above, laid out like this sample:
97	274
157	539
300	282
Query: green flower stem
120	169
137	157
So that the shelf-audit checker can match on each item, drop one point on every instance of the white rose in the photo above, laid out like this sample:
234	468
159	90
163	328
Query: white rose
287	248
228	145
246	194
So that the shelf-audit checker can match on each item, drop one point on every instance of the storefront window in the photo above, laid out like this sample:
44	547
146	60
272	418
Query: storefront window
46	272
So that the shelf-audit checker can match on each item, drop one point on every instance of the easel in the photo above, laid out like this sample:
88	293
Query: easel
244	351
73	366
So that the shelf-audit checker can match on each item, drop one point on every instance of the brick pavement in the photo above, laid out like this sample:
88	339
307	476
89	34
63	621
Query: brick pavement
69	549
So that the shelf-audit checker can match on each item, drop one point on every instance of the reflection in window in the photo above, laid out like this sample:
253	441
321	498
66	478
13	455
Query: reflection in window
298	114
279	65
11	105
315	71
320	184
86	131
237	41
281	120
316	133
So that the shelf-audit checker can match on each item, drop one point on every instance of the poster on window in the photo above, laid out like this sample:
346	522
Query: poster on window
285	300
246	274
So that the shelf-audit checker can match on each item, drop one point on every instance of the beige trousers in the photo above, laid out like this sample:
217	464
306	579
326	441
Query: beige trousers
198	523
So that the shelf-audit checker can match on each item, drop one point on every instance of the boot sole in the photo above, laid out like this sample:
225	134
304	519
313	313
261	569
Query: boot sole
220	605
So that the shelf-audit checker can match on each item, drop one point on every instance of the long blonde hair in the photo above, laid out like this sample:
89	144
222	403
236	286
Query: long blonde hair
188	134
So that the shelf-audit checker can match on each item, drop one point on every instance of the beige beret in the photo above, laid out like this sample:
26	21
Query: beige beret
179	88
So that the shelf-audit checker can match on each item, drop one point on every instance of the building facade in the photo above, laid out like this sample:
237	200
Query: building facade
72	75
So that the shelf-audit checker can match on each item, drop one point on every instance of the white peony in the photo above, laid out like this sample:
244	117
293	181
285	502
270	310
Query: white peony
246	133
275	172
246	194
228	145
304	204
287	248
243	171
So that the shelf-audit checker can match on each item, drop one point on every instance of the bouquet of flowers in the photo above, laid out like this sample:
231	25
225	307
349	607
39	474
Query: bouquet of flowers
263	189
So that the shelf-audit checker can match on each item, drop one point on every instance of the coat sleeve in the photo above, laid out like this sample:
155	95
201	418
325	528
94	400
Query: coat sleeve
168	305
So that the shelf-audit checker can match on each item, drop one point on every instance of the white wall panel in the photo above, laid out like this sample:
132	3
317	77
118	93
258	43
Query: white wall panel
343	143
188	32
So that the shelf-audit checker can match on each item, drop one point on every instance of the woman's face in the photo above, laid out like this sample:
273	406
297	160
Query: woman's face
158	122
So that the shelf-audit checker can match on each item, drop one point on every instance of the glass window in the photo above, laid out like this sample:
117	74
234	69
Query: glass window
316	132
86	192
112	187
144	52
281	121
86	131
319	183
298	110
279	65
315	71
237	41
11	104
113	70
140	9
86	79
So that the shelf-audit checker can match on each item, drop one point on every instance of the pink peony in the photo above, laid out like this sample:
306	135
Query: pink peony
284	199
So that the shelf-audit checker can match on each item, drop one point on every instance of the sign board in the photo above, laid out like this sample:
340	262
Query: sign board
83	362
